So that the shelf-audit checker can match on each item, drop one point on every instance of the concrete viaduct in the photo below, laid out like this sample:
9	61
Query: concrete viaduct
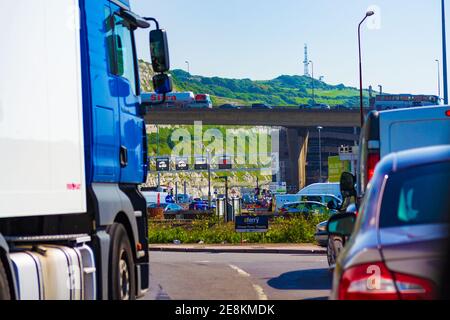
277	117
298	143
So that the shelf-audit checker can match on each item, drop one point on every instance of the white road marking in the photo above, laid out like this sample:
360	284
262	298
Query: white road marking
259	290
239	270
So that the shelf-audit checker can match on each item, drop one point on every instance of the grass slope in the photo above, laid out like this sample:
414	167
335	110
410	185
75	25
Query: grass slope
281	91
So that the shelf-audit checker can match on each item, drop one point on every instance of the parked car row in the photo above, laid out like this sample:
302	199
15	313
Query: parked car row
264	106
391	245
204	101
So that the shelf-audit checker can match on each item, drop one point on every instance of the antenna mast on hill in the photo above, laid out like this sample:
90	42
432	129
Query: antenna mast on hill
306	61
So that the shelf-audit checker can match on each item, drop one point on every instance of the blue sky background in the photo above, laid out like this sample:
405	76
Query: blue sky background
262	39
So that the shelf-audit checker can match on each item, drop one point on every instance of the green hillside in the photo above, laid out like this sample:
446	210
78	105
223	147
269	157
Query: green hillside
281	91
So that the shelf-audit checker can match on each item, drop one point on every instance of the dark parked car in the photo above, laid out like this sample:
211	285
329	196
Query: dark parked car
303	106
229	106
320	106
199	205
153	205
396	246
168	207
322	238
173	208
321	234
261	106
306	207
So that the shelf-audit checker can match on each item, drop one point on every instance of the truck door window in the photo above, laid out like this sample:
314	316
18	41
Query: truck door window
109	27
125	53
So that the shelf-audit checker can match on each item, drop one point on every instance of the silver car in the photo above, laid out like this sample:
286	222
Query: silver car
395	248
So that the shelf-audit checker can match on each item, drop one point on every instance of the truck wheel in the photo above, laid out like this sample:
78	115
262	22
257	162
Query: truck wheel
4	288
122	281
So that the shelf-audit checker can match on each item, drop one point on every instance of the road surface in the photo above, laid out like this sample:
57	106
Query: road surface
237	276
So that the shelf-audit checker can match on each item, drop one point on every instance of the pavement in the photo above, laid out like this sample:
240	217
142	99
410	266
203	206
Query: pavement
237	276
244	248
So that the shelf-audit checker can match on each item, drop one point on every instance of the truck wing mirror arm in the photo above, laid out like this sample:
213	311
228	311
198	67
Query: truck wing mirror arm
152	19
136	20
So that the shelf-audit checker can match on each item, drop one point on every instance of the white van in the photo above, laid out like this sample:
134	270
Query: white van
320	192
396	130
322	188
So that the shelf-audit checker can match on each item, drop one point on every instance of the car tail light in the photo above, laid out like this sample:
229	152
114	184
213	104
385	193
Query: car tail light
373	281
447	113
372	159
200	97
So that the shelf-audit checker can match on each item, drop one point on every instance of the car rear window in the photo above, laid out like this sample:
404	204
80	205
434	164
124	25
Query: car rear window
419	195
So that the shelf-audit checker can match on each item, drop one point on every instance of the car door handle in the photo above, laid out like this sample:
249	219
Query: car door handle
123	156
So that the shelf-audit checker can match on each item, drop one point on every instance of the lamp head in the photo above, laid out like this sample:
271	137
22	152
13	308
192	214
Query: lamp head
369	13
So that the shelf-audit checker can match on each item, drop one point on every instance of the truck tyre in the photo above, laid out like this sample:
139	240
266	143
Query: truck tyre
122	280
4	287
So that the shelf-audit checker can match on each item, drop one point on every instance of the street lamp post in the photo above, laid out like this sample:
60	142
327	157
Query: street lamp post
209	177
157	154
439	78
444	54
188	66
320	153
225	179
208	154
361	102
312	82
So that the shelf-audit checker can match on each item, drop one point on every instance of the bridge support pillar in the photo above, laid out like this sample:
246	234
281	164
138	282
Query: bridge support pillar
297	143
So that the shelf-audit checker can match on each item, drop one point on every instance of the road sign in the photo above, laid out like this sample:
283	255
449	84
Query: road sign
336	167
201	163
247	224
162	164
225	163
182	164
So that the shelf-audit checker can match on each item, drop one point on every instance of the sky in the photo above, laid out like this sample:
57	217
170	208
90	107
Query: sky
262	39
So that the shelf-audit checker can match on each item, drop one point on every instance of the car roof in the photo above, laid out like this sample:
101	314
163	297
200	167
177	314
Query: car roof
398	161
299	202
416	109
319	195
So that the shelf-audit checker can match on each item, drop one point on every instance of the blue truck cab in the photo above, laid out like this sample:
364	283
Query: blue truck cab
112	96
86	134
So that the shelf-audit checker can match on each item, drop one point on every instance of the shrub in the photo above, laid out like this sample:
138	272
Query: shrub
210	231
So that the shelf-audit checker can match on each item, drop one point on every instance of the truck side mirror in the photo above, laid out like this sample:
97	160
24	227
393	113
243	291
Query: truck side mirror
162	83
347	184
159	51
341	224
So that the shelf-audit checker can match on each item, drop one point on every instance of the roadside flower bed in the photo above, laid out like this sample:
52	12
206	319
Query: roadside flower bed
210	231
